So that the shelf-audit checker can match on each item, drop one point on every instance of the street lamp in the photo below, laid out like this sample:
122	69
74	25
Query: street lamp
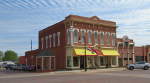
85	58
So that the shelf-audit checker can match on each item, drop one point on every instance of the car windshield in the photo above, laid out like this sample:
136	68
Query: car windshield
141	62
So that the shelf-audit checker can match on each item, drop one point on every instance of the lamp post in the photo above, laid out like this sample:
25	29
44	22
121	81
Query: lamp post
85	58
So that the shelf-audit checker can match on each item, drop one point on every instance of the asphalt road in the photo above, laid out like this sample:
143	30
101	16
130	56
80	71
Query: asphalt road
127	76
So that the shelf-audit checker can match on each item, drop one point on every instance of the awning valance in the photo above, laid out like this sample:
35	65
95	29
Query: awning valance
110	52
81	52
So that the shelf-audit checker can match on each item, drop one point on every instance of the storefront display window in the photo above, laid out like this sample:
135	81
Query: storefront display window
102	61
76	61
113	60
68	61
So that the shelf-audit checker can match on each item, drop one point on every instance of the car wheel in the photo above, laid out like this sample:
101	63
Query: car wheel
146	68
131	68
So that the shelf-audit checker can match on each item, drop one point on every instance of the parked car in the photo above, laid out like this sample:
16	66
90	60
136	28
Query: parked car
139	65
10	66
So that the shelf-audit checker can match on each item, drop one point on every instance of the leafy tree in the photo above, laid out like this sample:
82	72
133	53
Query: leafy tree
1	55
10	56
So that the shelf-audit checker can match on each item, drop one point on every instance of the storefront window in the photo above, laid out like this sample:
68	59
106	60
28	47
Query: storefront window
68	61
102	60
113	60
76	61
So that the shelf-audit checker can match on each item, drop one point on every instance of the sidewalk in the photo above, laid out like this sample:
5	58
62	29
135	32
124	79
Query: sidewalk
93	70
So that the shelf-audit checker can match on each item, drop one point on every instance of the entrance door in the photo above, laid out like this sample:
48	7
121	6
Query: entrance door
52	63
108	61
81	62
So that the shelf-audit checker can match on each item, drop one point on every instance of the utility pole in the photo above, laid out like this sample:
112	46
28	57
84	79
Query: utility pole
31	45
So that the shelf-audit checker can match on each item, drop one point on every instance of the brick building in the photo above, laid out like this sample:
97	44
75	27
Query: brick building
142	53
76	40
126	49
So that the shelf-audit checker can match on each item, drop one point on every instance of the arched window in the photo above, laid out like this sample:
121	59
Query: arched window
82	37
96	37
68	35
102	38
75	36
108	38
113	39
89	37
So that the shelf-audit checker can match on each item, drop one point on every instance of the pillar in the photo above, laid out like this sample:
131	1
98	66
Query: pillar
42	63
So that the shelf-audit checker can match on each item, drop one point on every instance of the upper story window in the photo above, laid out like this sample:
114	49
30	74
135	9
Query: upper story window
58	38
89	37
68	37
108	38
102	38
113	39
82	36
96	37
46	41
42	43
54	39
76	36
50	41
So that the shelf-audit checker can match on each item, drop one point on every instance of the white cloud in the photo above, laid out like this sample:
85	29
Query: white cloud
23	19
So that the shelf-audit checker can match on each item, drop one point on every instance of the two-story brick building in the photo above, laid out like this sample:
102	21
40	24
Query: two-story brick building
76	40
126	49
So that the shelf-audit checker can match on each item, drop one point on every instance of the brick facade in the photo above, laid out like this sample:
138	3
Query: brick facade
61	37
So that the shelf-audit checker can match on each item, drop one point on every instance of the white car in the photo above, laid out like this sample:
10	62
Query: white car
139	65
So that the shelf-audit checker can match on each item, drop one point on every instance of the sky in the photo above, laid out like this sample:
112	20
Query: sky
20	20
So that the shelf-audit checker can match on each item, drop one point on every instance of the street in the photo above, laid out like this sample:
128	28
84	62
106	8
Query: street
126	76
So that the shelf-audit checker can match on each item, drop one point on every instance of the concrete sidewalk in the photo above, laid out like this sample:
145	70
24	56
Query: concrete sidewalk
93	70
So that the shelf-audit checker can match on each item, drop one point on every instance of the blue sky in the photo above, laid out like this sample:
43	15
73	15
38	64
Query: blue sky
20	20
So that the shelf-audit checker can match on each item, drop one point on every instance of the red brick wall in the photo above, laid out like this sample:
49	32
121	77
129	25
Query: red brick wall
139	51
59	51
22	60
31	57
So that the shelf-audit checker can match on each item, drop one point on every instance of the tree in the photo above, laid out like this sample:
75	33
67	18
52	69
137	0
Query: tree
10	56
1	55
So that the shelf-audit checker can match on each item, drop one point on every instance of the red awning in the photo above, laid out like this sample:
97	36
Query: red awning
98	52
